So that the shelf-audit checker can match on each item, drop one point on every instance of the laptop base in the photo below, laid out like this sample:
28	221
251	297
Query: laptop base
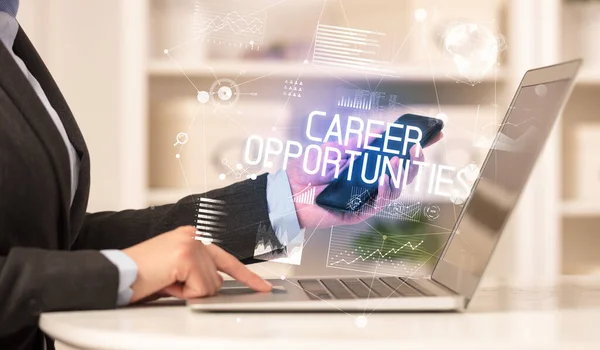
290	296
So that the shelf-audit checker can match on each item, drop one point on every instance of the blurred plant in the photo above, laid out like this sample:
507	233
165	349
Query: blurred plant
402	240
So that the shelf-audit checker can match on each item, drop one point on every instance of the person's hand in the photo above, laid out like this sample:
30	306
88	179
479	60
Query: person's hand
314	216
176	264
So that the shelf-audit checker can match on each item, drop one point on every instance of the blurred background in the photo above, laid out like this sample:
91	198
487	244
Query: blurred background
131	99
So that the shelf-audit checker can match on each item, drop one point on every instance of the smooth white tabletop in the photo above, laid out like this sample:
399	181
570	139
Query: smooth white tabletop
563	317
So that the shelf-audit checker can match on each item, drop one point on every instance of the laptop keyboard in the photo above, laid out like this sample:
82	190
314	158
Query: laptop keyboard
360	288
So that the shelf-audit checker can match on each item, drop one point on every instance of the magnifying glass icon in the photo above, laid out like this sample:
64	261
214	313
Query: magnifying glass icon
181	138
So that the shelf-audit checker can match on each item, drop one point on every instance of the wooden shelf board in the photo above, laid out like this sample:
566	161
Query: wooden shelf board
410	73
589	77
580	208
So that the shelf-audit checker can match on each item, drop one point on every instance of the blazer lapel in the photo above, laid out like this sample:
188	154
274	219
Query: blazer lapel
24	97
25	50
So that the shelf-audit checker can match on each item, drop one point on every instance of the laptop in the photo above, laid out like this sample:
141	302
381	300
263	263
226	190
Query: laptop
538	102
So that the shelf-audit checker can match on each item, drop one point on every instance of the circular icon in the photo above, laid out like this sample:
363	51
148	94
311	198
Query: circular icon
224	92
203	97
431	212
420	15
182	139
473	47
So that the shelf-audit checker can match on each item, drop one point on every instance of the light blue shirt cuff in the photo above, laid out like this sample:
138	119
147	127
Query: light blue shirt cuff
282	212
128	271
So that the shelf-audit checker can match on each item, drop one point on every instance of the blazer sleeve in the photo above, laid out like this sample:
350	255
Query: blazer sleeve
244	223
34	280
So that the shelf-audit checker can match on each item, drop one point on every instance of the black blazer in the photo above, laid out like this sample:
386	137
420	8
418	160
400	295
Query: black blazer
49	257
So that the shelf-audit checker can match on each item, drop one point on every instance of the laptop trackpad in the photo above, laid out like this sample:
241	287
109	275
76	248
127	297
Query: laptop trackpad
241	290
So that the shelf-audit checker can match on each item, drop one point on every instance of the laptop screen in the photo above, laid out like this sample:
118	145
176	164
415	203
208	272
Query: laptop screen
503	176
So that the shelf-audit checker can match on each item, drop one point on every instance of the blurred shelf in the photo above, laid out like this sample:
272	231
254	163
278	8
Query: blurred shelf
160	196
276	69
580	208
589	77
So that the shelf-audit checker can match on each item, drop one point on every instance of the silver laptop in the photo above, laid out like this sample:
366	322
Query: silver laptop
534	109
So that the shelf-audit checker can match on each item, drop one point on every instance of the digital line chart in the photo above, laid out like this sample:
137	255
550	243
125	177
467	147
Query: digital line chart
377	253
233	22
386	255
236	28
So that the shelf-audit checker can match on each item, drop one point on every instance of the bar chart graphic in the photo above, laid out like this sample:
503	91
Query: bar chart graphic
360	99
347	48
208	221
350	102
306	196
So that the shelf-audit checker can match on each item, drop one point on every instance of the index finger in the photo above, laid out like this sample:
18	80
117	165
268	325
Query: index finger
228	264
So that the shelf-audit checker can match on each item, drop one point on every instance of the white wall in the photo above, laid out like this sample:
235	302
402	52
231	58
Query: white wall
81	43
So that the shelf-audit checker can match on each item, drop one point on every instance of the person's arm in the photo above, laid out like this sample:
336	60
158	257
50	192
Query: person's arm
34	280
244	203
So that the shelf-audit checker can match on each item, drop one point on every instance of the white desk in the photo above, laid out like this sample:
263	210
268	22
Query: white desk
567	317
